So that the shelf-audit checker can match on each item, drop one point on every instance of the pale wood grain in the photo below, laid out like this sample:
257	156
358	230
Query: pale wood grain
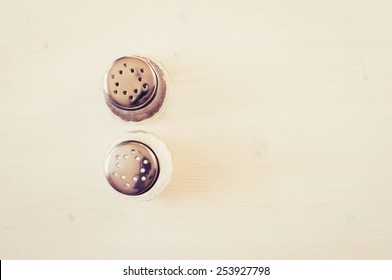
279	124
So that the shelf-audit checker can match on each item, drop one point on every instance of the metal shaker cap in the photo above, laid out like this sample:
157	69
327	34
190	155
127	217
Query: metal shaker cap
135	88
132	168
138	164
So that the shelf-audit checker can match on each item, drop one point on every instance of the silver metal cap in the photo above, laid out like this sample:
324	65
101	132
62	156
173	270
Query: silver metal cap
134	88
132	168
138	164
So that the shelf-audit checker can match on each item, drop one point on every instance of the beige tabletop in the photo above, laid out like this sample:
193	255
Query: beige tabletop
279	124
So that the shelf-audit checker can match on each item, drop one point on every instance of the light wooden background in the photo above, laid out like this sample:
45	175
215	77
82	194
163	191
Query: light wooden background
280	126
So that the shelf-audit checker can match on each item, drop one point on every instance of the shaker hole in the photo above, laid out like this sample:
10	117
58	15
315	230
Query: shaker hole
113	76
134	178
137	158
117	84
144	178
145	161
125	65
123	177
135	90
120	72
130	97
115	92
132	70
115	174
142	170
140	79
142	70
118	165
125	92
127	185
133	151
126	156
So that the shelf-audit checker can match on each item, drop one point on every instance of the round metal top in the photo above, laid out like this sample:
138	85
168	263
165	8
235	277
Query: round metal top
132	168
131	83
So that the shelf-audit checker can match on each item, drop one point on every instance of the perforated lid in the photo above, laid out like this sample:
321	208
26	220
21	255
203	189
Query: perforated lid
131	83
135	88
132	168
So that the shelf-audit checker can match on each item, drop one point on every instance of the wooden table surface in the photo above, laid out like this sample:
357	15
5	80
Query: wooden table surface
279	123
